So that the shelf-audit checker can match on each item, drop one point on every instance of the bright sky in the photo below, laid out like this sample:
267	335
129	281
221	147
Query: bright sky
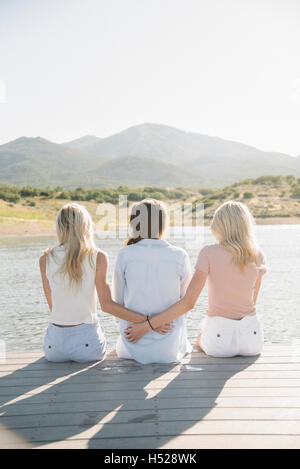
229	68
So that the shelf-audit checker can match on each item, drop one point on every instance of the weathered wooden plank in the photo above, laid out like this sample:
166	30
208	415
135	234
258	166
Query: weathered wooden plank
182	442
58	405
158	384
89	419
125	371
220	442
270	353
26	353
169	429
74	392
25	357
191	361
39	378
250	402
242	360
43	405
228	413
112	353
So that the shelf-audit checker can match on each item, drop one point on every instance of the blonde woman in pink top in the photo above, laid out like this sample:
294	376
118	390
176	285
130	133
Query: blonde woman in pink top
233	268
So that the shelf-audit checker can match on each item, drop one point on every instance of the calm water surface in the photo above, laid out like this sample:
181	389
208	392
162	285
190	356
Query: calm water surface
24	313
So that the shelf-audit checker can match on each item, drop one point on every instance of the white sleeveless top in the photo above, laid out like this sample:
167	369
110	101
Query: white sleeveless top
71	305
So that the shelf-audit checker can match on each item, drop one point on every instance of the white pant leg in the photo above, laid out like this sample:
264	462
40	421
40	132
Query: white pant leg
251	336
219	337
121	350
222	337
86	343
54	344
82	343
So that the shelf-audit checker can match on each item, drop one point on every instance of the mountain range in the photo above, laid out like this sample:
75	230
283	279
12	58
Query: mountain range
143	155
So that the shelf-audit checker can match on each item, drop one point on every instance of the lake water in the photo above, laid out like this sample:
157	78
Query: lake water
24	313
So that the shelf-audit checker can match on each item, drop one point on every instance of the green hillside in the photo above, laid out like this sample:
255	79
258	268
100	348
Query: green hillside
39	162
33	210
266	196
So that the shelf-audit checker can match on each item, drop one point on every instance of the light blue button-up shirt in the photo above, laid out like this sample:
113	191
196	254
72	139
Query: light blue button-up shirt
150	276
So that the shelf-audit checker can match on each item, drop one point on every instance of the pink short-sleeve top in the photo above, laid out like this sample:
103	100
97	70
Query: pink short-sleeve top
230	289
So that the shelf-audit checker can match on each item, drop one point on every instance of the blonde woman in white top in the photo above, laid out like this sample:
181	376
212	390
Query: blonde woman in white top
72	274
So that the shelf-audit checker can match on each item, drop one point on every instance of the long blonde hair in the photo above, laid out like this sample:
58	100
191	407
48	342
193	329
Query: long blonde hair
75	231
233	224
148	220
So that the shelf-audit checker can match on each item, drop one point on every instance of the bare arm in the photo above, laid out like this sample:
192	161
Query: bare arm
185	304
262	270
104	294
46	285
256	288
135	331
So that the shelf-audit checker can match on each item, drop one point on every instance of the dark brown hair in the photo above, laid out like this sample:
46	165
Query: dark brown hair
148	220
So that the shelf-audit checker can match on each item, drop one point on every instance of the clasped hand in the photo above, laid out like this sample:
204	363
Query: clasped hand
136	331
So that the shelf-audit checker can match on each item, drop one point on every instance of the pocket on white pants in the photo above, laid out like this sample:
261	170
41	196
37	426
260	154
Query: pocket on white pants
251	336
52	349
217	337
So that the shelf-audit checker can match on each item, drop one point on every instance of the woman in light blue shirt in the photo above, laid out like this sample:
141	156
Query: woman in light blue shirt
150	275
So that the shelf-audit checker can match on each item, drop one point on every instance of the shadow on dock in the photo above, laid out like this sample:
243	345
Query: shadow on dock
112	404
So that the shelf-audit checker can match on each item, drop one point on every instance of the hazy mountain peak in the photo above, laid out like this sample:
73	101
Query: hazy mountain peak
28	140
82	142
147	153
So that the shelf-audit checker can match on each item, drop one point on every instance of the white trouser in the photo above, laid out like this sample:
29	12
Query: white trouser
222	337
82	343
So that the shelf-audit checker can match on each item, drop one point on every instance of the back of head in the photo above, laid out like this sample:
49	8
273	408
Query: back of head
148	220
233	225
75	231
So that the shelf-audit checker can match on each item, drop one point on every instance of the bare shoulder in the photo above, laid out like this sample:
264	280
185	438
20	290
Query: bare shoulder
261	256
102	260
43	262
43	259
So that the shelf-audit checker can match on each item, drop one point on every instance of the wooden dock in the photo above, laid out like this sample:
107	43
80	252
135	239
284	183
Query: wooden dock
201	403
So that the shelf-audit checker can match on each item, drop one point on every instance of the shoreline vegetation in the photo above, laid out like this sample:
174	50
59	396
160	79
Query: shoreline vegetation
32	211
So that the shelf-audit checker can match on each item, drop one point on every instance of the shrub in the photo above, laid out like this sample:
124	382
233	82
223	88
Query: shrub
268	180
29	191
290	179
135	196
208	203
93	194
48	193
206	191
215	196
296	192
77	194
111	198
11	197
63	195
158	195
